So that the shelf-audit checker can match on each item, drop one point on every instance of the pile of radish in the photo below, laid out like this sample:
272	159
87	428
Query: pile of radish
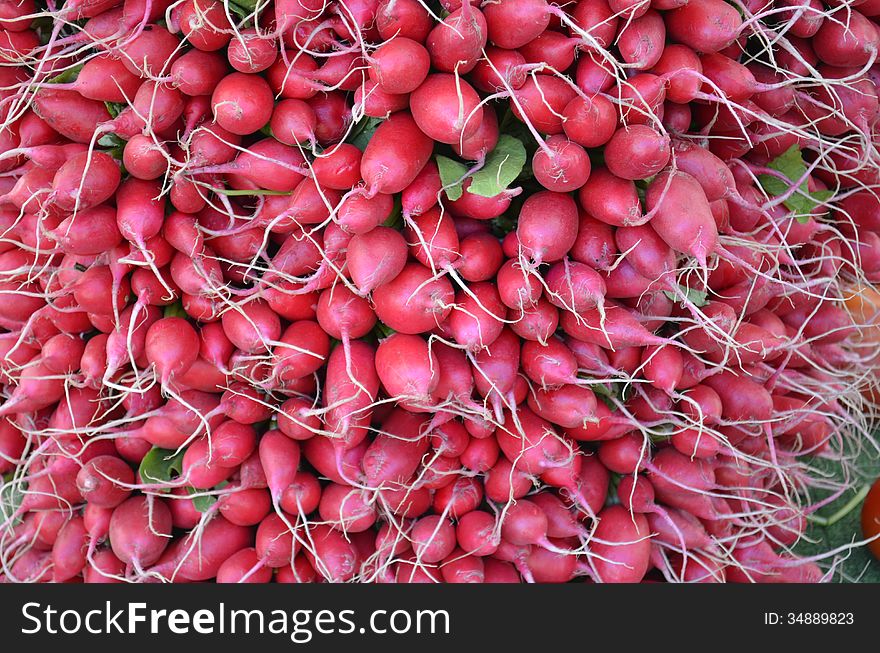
420	291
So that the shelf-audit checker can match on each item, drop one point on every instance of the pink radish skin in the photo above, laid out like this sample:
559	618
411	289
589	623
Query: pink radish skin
334	558
242	103
543	240
85	181
513	24
399	66
236	568
456	44
172	346
637	152
622	549
574	286
477	324
409	305
682	216
352	386
446	109
391	459
708	26
408	370
433	538
383	167
566	170
70	114
610	199
509	66
402	18
568	406
140	530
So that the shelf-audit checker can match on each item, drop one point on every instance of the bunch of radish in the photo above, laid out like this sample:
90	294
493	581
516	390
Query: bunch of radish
418	291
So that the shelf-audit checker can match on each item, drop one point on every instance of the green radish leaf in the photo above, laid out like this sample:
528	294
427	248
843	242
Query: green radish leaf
11	496
114	109
503	165
792	166
203	502
67	76
112	141
451	173
243	8
383	331
696	297
363	131
175	310
160	465
395	218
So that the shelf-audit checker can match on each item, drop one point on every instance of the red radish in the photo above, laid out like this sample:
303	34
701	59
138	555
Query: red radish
242	103
433	538
478	318
102	481
412	302
408	370
456	44
541	101
637	152
446	108
192	559
391	459
641	42
610	199
70	114
400	65
251	52
708	26
382	166
499	70
402	18
139	531
622	547
85	181
172	346
682	214
566	169
543	240
238	568
69	550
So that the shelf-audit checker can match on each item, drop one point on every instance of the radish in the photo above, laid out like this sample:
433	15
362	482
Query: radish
382	167
139	531
446	108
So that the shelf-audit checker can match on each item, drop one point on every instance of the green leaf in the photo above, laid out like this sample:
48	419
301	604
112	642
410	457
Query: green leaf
160	465
363	131
451	173
203	502
791	164
175	310
67	76
243	8
114	109
857	563
11	496
395	218
696	297
503	166
111	140
383	331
